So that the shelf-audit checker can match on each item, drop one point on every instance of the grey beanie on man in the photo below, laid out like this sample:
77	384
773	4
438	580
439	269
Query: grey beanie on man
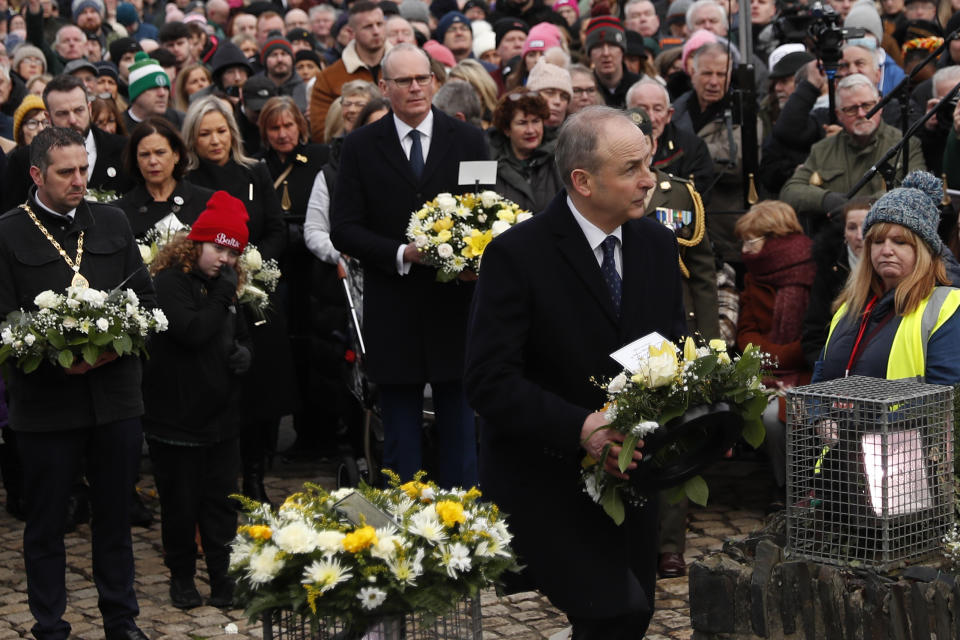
915	204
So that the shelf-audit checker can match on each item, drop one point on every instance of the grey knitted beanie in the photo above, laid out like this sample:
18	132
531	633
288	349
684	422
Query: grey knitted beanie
914	205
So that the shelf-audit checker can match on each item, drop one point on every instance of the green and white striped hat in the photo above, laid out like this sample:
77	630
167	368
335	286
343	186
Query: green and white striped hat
146	73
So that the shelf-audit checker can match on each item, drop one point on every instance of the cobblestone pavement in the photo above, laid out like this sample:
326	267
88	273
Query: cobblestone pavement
739	494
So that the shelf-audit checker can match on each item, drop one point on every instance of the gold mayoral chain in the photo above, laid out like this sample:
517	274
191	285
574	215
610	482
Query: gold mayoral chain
74	263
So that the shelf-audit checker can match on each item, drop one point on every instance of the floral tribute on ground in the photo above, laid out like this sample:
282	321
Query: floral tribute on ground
451	232
652	399
433	548
81	324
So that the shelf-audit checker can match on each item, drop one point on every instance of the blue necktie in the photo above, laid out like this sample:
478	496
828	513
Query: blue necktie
608	268
416	153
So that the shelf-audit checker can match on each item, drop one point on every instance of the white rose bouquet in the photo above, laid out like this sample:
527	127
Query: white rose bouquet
452	232
79	325
262	279
648	402
433	548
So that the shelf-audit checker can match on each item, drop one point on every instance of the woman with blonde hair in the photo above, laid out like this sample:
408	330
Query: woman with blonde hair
780	273
215	160
880	328
191	79
474	73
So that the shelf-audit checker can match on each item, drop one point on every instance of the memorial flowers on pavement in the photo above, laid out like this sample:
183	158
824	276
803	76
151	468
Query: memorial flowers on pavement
665	382
422	550
80	324
451	232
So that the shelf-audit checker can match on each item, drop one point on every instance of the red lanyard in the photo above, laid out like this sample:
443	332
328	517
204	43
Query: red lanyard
864	321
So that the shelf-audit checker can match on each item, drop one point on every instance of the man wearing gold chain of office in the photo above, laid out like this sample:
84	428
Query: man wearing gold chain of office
62	416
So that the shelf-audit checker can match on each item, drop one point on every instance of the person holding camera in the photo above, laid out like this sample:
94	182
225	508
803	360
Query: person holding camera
933	135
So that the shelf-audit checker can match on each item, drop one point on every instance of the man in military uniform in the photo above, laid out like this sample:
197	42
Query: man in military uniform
836	163
675	203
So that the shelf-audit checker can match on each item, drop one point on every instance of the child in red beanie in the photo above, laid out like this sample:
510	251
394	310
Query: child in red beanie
191	390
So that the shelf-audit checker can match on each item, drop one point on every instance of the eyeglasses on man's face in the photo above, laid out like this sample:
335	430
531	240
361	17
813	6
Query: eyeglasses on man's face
405	83
854	109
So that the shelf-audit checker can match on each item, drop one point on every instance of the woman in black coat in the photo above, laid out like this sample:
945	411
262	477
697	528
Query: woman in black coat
216	160
192	397
156	159
294	163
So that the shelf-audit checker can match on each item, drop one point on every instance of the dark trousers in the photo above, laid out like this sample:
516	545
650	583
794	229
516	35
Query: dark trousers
456	441
51	462
194	485
622	628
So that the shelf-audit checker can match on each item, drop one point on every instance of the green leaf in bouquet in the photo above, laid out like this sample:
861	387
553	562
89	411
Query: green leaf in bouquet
612	503
5	352
82	339
703	366
446	276
65	358
122	344
754	432
56	339
697	490
90	353
626	451
30	363
674	495
752	409
101	339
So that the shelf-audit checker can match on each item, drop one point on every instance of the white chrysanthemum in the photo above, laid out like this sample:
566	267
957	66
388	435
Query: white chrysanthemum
103	324
387	544
401	507
455	557
326	574
46	299
341	493
73	303
93	297
330	541
6	335
161	319
371	597
132	297
500	533
296	537
264	565
645	427
240	552
406	570
427	525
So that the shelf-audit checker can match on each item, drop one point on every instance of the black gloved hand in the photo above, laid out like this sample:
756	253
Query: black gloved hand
239	360
833	202
229	277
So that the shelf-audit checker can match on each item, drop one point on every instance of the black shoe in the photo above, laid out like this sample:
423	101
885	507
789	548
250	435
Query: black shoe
125	634
184	594
221	593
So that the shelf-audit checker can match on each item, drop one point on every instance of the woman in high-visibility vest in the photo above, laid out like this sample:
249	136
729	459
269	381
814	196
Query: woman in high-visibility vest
897	315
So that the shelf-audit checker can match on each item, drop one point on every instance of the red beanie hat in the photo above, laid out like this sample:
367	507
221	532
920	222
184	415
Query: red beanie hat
223	222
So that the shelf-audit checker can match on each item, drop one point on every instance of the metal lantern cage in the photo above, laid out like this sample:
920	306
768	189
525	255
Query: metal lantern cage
869	471
462	623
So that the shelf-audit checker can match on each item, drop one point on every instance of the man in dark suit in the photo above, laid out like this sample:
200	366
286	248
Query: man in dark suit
557	294
414	326
66	100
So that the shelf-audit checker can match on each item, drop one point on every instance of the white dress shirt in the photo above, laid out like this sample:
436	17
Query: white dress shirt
595	237
426	132
91	153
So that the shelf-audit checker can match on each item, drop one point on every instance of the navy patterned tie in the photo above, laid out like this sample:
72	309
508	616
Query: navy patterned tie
608	268
416	153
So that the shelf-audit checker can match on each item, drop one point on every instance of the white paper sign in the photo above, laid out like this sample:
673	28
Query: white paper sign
637	352
482	171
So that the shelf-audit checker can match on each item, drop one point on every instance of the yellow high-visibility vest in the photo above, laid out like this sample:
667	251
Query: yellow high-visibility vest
908	353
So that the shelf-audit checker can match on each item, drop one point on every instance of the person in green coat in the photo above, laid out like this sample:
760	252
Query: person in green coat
836	163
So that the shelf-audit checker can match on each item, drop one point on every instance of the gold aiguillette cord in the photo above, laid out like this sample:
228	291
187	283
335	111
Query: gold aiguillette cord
74	263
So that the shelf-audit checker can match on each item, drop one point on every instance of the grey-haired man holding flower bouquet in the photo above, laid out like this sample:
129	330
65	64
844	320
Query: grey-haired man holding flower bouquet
557	294
85	413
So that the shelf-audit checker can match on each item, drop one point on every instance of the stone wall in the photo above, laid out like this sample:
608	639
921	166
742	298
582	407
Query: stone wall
750	591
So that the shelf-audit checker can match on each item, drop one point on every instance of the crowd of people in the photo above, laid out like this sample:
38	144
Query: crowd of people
313	130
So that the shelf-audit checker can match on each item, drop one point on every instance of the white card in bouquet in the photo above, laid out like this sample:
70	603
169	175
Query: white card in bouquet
359	510
631	356
169	225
